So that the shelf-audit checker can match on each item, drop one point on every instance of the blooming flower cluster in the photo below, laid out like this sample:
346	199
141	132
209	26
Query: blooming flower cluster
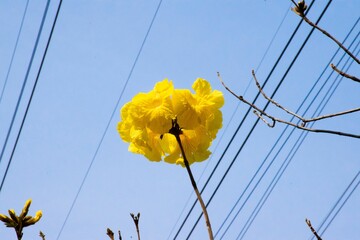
147	119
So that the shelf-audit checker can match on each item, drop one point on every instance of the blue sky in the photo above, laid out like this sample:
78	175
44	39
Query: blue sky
90	57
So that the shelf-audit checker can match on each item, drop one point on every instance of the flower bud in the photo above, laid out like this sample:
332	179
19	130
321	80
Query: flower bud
25	210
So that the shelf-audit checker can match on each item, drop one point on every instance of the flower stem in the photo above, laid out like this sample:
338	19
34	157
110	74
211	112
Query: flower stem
206	216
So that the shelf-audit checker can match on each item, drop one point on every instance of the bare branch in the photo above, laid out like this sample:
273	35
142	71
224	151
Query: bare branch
344	74
304	120
259	112
110	233
300	8
312	229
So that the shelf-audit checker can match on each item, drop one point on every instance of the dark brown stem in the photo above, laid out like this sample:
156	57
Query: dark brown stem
176	131
312	229
136	221
19	233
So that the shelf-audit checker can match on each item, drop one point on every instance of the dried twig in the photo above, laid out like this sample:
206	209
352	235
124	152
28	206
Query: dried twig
177	131
345	74
42	235
312	229
110	233
304	120
136	221
259	112
300	8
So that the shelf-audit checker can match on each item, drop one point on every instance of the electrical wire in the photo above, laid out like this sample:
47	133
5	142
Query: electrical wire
273	183
109	122
231	118
242	121
279	138
284	165
20	97
330	212
342	205
14	51
286	162
256	122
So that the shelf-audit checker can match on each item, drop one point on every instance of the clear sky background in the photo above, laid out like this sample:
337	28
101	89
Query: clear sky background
89	64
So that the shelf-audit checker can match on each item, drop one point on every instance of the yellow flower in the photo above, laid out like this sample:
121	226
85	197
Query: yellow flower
147	119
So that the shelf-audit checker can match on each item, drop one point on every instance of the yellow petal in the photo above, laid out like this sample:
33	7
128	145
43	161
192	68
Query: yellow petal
201	87
169	144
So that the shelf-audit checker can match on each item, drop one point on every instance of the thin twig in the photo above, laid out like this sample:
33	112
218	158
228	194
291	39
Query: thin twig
344	74
241	98
273	101
332	115
299	10
312	229
176	131
110	233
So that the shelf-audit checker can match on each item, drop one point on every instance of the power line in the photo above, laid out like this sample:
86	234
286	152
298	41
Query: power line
242	121
231	118
273	183
338	201
14	51
336	86
286	162
109	122
278	140
257	120
20	97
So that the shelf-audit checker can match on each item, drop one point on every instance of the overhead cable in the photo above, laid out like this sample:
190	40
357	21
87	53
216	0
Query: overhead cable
279	138
242	121
230	120
14	51
286	163
20	97
109	121
256	122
